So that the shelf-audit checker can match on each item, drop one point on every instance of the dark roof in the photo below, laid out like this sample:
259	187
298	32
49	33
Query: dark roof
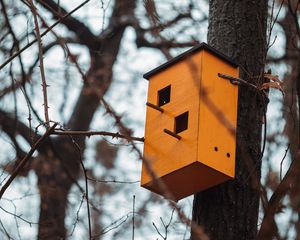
188	53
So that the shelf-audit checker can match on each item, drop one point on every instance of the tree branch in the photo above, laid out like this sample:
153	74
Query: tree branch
97	133
16	42
26	158
169	23
48	47
42	35
268	224
83	33
42	70
160	43
10	125
285	57
99	76
141	41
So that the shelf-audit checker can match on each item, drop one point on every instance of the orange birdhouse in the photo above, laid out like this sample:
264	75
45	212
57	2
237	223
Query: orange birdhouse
190	141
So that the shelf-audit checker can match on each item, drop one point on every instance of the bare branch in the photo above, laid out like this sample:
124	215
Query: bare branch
97	133
169	23
18	216
285	57
11	126
10	88
42	35
143	42
46	48
293	12
133	212
26	158
42	70
83	33
268	224
99	76
112	181
117	223
86	186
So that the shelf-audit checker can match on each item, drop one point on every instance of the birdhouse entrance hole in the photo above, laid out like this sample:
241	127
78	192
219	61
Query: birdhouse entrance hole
164	96
181	122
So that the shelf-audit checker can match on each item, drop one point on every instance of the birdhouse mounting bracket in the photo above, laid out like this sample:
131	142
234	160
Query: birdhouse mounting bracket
233	80
239	81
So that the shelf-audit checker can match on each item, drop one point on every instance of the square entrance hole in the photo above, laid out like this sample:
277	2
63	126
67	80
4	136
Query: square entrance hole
164	96
181	122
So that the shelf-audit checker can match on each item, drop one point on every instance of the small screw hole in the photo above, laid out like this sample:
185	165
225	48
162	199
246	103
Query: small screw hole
216	149
228	155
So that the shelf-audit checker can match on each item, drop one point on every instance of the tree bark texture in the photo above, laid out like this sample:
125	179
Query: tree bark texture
230	210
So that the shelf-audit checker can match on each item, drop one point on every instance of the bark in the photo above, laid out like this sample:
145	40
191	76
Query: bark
230	210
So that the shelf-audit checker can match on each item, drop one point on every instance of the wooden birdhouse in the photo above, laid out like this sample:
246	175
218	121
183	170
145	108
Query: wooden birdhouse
190	141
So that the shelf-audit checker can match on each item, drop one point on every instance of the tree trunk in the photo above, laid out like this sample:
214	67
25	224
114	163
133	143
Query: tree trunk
230	210
57	169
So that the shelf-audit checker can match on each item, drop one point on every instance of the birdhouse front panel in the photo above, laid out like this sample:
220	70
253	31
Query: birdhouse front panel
174	91
190	123
218	115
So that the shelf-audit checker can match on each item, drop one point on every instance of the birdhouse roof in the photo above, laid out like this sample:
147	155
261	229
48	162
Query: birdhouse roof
191	51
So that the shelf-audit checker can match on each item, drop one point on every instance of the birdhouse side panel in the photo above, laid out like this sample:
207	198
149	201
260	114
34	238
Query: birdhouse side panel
165	152
218	115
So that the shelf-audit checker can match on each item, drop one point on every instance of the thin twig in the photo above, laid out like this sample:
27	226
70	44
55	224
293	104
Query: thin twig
284	156
295	16
114	225
26	158
282	189
42	35
86	187
16	42
5	231
19	216
133	207
42	70
29	114
166	226
158	231
77	216
169	223
272	24
112	181
100	133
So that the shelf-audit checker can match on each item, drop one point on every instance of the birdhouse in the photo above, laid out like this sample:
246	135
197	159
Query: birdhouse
190	142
